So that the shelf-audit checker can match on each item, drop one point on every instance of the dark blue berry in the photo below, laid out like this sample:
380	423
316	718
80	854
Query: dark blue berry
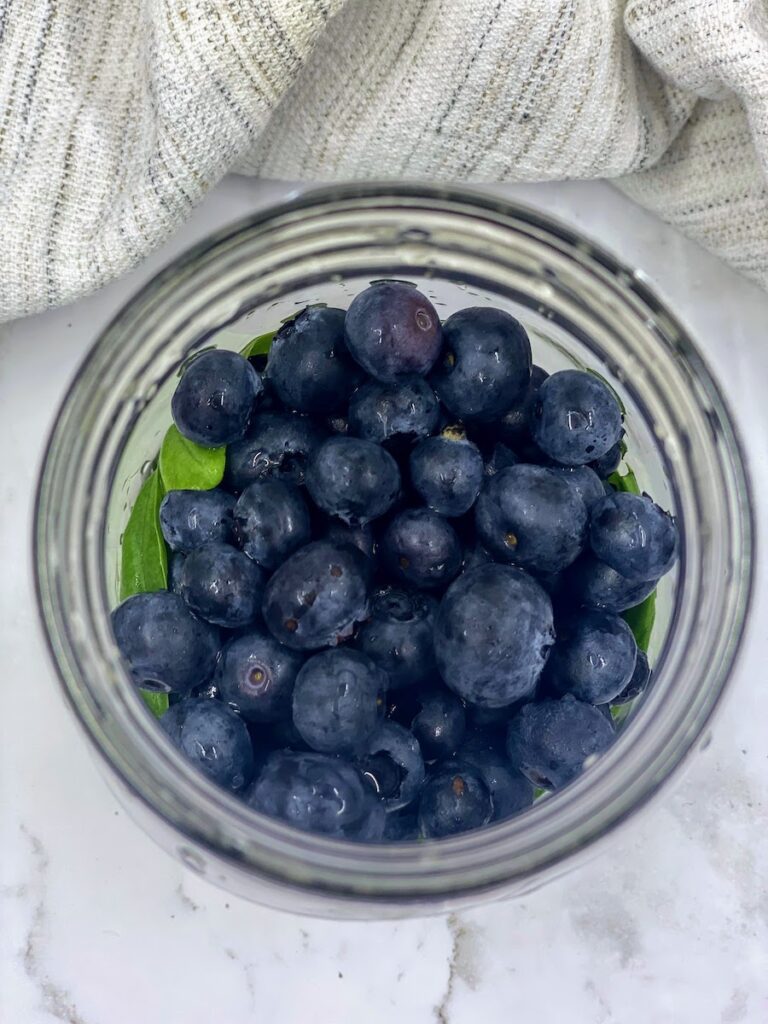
609	462
493	633
513	428
402	826
271	521
440	724
594	657
255	676
313	792
392	330
455	799
393	765
317	595
633	535
403	411
213	739
175	565
222	585
278	446
309	367
421	548
446	472
360	536
338	701
485	368
532	517
355	480
553	741
638	683
398	637
475	555
502	457
576	418
214	400
584	481
593	583
166	647
190	519
510	791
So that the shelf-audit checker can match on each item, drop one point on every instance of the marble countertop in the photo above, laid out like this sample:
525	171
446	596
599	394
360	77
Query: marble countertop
98	926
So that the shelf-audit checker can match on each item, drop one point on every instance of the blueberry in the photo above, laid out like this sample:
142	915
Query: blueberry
392	330
222	585
213	739
553	741
272	521
166	647
317	595
485	368
493	632
398	637
403	411
446	472
338	701
402	826
532	517
393	765
455	799
421	548
501	457
255	676
360	536
575	418
633	535
440	724
355	480
214	400
584	481
190	519
513	427
510	791
337	424
313	792
638	683
175	565
594	657
609	462
278	446
474	555
309	367
595	584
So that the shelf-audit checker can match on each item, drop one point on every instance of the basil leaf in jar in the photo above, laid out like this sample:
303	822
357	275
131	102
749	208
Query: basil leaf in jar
625	482
144	561
259	346
186	466
640	620
156	702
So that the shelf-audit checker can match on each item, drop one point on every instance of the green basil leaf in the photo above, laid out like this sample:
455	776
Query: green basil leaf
186	466
640	620
144	559
259	346
626	482
156	702
620	711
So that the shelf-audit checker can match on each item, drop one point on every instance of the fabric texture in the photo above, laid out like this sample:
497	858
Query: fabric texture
116	116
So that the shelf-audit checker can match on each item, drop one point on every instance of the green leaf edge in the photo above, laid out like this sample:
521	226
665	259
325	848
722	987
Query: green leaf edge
259	346
156	702
186	466
140	572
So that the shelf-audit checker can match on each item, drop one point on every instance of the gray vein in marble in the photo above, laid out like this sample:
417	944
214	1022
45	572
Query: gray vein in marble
605	1014
463	963
736	1010
603	920
56	999
185	899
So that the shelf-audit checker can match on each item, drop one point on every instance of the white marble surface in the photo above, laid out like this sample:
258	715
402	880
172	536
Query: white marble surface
97	926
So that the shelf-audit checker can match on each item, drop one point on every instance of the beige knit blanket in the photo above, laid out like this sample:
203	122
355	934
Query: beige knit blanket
116	116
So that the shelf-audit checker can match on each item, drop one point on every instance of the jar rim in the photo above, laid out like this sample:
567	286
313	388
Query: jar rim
68	555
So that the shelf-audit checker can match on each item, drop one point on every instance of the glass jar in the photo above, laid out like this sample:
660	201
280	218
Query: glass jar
581	307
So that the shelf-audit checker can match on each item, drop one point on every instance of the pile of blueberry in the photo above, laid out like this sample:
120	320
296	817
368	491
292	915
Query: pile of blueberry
400	612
